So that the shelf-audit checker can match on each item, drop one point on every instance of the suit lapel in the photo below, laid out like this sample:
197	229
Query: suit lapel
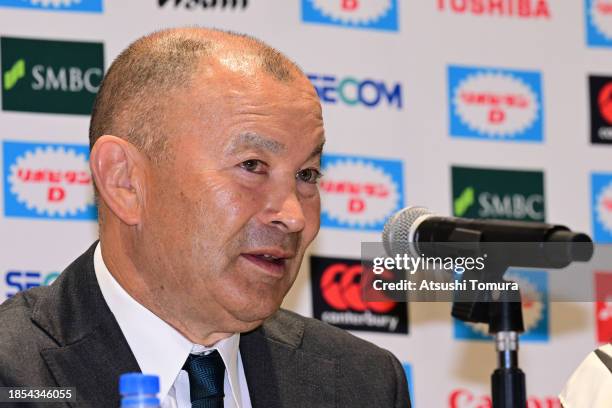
92	351
280	374
93	366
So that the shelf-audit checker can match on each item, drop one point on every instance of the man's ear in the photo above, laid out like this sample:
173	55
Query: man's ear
117	168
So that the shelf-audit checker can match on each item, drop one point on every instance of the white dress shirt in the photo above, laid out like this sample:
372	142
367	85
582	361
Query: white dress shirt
590	385
161	350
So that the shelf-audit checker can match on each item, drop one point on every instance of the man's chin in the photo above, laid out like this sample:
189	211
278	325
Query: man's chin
249	320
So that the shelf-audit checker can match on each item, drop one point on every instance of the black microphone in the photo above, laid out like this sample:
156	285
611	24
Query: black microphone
417	231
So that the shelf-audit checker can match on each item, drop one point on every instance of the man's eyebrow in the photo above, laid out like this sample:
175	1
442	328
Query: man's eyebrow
252	140
317	151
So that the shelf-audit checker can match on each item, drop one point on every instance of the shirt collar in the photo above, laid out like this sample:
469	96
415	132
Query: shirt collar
158	348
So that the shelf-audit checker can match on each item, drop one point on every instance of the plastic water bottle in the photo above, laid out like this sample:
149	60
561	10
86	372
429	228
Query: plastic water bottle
139	390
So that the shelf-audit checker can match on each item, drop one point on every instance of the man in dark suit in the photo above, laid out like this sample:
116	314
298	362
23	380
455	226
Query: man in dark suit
205	151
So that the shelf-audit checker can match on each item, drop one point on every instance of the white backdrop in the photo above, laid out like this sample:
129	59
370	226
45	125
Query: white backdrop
385	70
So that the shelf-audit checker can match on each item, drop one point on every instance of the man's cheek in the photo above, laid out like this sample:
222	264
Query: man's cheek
234	209
313	220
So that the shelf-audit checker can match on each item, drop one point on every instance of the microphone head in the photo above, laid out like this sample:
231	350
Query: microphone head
399	230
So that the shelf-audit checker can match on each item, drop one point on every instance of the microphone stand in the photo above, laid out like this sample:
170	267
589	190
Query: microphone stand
502	312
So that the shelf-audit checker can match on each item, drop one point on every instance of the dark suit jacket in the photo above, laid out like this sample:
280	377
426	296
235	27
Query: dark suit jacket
65	335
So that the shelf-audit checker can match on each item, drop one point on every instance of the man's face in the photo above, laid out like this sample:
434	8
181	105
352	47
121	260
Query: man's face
229	217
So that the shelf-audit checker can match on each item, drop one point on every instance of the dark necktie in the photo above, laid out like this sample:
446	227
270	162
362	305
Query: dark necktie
206	375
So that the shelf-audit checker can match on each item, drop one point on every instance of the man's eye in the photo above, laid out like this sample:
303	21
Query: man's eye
254	166
309	175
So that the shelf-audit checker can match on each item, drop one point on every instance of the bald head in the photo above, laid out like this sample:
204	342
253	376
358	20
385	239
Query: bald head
134	94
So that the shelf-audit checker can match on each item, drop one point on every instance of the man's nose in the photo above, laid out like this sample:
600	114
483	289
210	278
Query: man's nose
285	211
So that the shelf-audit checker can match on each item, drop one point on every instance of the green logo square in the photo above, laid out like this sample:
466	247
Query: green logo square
498	194
50	76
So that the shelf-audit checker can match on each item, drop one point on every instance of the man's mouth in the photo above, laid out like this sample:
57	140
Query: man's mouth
272	262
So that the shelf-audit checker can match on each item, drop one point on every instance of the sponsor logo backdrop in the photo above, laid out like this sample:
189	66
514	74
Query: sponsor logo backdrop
371	15
498	194
47	181
603	306
495	104
600	89
87	6
468	107
50	76
337	298
360	192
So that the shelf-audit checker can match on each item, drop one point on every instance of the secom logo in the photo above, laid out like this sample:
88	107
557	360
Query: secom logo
364	14
534	295
360	193
601	202
598	23
47	181
50	76
355	92
88	6
17	280
495	104
337	299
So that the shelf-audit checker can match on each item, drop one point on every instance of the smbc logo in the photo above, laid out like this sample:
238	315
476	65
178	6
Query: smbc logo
72	79
463	202
14	74
50	76
505	206
46	78
498	193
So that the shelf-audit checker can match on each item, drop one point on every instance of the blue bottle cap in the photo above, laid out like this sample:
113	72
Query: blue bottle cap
137	383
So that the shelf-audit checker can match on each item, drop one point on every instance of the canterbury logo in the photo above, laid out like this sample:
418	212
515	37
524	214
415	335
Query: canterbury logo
189	4
341	289
14	74
464	201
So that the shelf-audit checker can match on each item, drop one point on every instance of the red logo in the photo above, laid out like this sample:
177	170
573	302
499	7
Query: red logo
604	8
341	288
360	193
462	398
604	100
54	179
504	8
603	306
355	203
350	5
496	103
